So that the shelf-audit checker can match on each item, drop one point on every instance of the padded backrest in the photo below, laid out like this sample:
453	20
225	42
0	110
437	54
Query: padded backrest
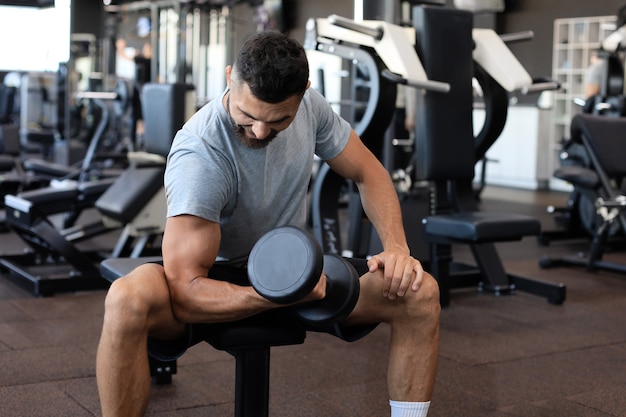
130	192
606	136
165	109
7	102
444	140
11	139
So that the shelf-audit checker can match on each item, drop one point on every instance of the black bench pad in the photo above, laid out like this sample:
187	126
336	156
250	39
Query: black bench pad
130	192
113	268
482	227
578	175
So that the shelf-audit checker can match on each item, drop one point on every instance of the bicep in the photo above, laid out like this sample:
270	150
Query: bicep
355	161
190	246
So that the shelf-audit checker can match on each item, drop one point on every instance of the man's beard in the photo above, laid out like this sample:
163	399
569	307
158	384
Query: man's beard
240	132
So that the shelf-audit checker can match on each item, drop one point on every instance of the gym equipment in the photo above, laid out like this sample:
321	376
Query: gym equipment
445	156
38	118
7	104
285	265
383	68
134	202
99	154
13	179
578	218
249	345
482	55
601	182
381	56
32	173
610	101
35	173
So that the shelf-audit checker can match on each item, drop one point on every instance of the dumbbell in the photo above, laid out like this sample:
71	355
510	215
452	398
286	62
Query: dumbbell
286	263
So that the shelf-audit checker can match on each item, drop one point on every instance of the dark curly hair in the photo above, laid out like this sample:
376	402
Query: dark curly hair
274	66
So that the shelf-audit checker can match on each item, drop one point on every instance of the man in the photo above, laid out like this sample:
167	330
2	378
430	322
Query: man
237	169
595	75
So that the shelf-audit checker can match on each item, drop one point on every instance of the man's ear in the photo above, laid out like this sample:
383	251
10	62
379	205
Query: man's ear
229	70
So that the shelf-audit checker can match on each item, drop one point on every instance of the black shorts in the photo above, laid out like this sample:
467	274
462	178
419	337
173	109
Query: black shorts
168	350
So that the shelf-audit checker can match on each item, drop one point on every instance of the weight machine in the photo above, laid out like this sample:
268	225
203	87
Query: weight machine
382	56
602	182
448	207
133	203
579	218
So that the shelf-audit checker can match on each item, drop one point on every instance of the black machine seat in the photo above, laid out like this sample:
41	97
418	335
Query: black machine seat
578	175
482	227
9	147
113	268
603	139
7	163
39	135
250	346
39	202
39	139
47	168
31	205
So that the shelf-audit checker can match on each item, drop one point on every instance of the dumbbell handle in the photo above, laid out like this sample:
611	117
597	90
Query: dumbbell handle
340	299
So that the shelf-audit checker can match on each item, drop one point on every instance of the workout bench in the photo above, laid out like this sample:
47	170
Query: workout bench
282	283
250	346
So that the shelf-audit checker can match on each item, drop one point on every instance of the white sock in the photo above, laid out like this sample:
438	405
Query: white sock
408	409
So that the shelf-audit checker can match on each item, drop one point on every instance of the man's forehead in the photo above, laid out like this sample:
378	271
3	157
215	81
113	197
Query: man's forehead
245	102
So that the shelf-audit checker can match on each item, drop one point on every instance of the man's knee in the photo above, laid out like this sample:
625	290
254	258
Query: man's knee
425	302
129	296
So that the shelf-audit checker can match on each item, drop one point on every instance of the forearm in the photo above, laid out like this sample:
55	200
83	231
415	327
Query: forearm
378	195
206	300
382	207
190	246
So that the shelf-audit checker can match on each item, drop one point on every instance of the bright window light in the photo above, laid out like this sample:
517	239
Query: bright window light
34	39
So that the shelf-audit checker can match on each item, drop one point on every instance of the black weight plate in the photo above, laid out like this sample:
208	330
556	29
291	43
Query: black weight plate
342	294
124	99
285	264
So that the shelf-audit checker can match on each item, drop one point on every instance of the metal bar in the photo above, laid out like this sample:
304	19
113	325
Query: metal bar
376	33
518	36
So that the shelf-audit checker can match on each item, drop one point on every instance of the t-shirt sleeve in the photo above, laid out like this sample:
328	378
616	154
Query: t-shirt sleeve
332	130
195	184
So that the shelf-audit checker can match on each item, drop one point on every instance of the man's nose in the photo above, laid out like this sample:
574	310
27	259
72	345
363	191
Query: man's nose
261	130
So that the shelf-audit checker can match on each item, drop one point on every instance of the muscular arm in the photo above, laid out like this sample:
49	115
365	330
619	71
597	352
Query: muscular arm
382	207
378	195
190	246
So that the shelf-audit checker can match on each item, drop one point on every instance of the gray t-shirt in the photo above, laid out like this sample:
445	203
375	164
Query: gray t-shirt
212	175
596	72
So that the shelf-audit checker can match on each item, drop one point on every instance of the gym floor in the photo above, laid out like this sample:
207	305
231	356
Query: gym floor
514	355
